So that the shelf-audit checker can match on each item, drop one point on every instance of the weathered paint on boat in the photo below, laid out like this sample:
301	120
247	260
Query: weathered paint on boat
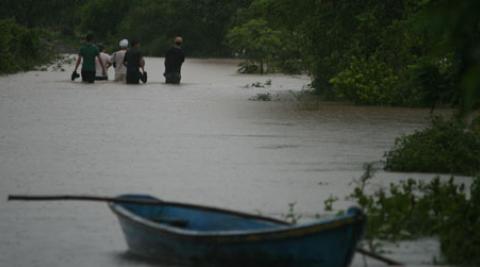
197	235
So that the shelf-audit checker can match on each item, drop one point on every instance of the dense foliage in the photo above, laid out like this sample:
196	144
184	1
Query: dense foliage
202	23
256	41
412	209
407	52
57	14
21	48
445	147
264	43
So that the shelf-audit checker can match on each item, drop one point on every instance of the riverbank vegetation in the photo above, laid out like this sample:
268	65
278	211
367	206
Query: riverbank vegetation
22	48
203	24
413	209
407	53
404	53
448	146
396	53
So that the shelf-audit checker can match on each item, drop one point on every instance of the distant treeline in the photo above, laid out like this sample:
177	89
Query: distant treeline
202	23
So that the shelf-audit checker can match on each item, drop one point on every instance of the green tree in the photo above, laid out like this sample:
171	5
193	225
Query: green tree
255	40
202	23
57	14
454	27
102	17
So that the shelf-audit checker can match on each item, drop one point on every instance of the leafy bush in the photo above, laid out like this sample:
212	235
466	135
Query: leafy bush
20	48
446	147
411	209
459	235
372	82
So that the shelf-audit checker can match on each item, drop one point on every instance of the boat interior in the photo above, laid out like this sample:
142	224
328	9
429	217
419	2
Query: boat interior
198	218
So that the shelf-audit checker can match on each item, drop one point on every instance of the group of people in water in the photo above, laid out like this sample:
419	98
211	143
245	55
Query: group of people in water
128	62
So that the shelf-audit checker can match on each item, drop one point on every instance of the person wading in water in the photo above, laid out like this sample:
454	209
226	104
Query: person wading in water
117	61
105	60
88	52
134	62
173	62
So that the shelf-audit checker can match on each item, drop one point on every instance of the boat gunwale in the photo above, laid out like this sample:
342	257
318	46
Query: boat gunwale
285	229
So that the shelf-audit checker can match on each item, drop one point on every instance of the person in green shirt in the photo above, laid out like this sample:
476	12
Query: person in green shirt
88	52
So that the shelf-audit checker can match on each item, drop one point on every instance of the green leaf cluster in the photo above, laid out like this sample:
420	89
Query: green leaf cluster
411	209
445	147
258	37
20	48
369	81
255	40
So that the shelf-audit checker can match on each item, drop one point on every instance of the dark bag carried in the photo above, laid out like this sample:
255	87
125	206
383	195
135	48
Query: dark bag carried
143	77
74	75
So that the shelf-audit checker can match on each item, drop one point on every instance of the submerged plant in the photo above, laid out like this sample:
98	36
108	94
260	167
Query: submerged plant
291	216
412	209
257	84
328	203
446	147
261	97
266	96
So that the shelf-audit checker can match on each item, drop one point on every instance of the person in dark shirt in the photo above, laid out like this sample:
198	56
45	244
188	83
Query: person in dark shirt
134	62
173	62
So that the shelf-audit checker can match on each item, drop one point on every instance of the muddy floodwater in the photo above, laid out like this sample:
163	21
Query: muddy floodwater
203	141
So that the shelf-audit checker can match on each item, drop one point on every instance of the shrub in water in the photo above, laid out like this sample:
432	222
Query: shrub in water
411	209
445	147
372	82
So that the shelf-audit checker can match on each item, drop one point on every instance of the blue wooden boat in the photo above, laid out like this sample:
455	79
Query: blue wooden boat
190	234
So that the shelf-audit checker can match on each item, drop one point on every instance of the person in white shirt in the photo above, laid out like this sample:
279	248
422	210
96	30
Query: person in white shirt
117	61
105	58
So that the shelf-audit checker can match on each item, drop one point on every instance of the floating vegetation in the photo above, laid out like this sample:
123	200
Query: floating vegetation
248	68
58	64
261	97
328	203
266	96
265	84
291	216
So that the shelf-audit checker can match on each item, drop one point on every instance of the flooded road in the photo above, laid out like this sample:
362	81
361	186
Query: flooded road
202	142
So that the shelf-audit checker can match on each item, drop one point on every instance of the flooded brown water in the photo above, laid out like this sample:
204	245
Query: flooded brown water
202	141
